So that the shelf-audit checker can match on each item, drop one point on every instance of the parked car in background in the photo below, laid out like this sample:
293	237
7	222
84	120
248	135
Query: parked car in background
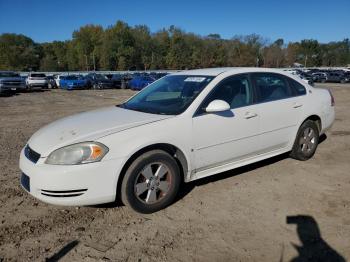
157	75
347	76
319	77
11	82
185	126
58	79
51	82
139	82
335	77
120	81
36	81
71	82
306	76
99	81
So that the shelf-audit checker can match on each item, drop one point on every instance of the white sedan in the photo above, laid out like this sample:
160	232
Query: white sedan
183	127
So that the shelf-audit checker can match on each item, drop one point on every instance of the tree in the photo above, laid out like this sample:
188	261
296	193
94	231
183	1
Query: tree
122	47
144	47
309	52
274	54
87	42
19	52
118	49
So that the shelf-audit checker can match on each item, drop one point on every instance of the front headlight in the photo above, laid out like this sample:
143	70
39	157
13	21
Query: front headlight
77	154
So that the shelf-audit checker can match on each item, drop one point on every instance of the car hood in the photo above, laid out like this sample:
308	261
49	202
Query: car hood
88	126
5	79
78	81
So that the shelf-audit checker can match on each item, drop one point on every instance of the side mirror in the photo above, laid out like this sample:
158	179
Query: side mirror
217	106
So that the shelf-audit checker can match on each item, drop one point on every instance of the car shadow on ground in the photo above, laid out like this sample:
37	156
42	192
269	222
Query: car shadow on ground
313	247
9	94
186	188
19	92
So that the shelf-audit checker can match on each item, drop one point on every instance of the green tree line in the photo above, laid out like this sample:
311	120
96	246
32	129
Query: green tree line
122	47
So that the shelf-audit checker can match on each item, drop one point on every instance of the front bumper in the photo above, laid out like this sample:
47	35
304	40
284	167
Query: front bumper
9	88
70	87
73	185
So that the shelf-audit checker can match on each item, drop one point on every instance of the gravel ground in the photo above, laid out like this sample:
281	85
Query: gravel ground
275	210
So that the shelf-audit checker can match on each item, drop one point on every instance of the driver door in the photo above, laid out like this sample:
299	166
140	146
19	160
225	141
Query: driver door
226	137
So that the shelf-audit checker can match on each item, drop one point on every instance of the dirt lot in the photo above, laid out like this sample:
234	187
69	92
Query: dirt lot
239	215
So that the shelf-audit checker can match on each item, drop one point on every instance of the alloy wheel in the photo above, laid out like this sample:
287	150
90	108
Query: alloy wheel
153	183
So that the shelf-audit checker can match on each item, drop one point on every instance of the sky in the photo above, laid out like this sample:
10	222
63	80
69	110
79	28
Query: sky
292	20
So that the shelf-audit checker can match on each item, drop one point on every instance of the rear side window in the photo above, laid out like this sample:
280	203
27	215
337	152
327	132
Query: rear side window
297	88
271	87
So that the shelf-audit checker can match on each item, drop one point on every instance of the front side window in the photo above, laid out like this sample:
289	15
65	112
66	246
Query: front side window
235	90
271	87
170	95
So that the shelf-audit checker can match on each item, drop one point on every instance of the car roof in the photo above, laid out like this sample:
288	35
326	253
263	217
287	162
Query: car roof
233	70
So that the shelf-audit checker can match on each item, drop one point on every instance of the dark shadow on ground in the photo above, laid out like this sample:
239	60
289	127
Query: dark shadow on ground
8	94
314	247
186	188
63	251
322	138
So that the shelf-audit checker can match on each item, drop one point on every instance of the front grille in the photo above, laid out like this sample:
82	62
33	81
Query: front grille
25	182
31	154
66	193
12	83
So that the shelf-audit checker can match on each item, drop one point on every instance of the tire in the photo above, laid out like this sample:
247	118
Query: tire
306	141
150	196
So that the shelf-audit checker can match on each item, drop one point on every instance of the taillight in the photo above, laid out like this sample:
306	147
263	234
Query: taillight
332	98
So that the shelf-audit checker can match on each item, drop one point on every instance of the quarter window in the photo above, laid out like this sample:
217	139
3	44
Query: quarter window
271	87
298	89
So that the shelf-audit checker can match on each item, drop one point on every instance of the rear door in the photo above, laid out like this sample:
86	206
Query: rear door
279	108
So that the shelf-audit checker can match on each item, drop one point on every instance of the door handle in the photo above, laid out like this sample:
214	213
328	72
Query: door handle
249	115
297	105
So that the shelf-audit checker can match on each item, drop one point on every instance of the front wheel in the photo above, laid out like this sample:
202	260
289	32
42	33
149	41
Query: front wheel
306	141
151	182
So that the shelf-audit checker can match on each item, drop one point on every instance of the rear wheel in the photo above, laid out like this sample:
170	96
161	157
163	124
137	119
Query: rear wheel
306	142
151	182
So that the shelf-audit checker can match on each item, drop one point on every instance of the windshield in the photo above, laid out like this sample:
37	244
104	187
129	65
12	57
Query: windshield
37	75
9	74
71	77
170	95
102	77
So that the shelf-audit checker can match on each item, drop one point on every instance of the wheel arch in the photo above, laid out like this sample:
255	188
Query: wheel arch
316	119
174	151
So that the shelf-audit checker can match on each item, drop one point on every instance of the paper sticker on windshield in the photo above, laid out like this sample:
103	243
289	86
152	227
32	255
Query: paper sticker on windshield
194	79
